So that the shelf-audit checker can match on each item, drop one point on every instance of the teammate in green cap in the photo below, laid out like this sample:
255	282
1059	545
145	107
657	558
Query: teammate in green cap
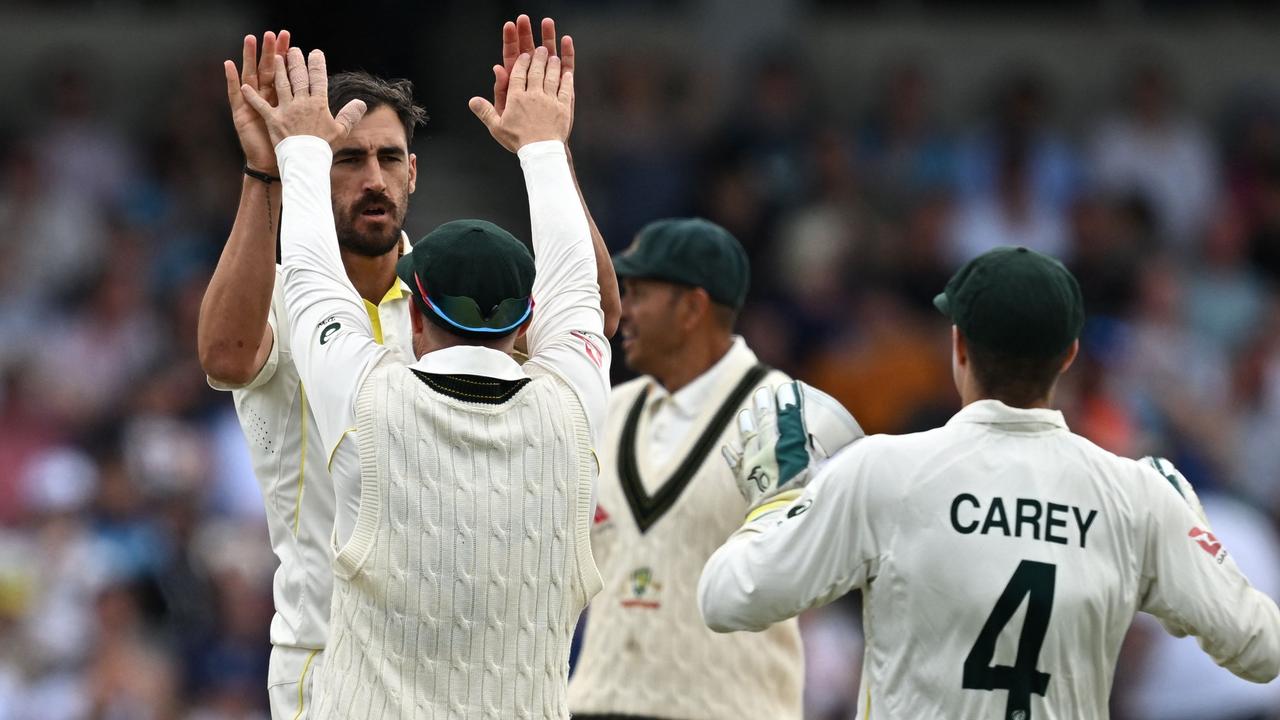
461	533
244	330
1001	557
666	501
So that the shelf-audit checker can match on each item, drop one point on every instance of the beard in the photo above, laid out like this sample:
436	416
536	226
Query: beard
373	243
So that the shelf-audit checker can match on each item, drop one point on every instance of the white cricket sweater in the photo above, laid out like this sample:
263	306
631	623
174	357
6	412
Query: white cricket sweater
646	651
459	589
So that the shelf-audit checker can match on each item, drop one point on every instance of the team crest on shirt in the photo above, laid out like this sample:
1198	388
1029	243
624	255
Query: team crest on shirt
1211	544
641	590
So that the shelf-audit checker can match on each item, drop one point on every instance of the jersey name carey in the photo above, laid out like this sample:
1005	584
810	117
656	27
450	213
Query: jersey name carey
1022	518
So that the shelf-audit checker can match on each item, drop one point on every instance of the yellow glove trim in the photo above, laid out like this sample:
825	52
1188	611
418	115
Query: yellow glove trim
777	502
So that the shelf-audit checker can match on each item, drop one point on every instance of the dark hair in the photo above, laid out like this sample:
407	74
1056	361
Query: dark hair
1015	380
724	315
376	92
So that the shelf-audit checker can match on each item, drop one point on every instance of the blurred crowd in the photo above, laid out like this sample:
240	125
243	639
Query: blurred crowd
134	564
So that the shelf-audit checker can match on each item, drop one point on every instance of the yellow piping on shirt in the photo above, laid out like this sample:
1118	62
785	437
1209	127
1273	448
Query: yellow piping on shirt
302	682
334	451
867	715
302	462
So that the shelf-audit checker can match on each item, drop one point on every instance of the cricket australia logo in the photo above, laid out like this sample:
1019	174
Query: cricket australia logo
641	590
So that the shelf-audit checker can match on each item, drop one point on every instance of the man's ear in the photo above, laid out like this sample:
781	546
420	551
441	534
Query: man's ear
695	306
413	173
959	350
1071	355
415	316
524	326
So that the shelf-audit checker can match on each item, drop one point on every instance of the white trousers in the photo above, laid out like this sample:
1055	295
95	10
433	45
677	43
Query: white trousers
291	681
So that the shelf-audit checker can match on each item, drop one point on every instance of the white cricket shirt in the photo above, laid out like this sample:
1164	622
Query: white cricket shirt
672	416
290	461
1001	559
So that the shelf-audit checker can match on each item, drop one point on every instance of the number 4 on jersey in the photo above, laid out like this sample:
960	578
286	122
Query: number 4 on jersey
1035	581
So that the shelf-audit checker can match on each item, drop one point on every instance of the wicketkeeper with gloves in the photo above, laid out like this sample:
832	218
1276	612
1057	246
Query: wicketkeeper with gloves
1001	557
666	500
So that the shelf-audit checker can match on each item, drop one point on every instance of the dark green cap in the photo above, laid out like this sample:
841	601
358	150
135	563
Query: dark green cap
690	251
1016	301
471	278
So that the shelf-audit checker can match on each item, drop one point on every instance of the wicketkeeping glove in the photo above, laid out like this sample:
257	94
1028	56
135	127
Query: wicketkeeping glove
1179	482
784	435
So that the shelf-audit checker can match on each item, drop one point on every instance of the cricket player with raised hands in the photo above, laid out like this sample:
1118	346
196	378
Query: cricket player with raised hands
464	496
1001	557
244	329
244	336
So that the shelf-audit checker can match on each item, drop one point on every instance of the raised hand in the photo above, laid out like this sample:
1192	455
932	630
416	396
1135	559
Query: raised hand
259	153
517	38
785	434
302	87
539	103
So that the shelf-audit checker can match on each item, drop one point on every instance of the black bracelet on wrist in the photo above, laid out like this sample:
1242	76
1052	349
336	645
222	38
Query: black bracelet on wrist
259	175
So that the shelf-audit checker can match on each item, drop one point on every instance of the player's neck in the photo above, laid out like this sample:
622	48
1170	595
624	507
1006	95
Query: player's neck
371	276
972	394
696	359
1037	405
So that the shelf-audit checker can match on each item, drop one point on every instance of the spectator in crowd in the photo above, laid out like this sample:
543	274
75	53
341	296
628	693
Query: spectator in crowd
902	149
1020	126
1155	149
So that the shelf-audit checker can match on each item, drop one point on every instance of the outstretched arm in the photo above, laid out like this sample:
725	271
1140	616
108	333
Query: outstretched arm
801	546
1194	587
332	339
566	333
780	564
517	38
234	336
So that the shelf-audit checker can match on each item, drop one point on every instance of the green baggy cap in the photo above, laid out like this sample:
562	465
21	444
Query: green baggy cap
1016	301
690	251
471	278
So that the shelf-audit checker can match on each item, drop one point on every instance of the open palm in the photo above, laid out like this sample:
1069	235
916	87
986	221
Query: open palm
259	152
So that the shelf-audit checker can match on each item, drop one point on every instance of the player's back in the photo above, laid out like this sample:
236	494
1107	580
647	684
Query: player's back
1010	557
463	578
1002	559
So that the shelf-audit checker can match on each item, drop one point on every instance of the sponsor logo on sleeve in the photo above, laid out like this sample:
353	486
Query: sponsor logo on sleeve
1209	543
800	508
328	332
595	354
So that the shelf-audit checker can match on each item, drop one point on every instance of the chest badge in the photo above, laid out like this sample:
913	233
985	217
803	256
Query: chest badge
641	590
